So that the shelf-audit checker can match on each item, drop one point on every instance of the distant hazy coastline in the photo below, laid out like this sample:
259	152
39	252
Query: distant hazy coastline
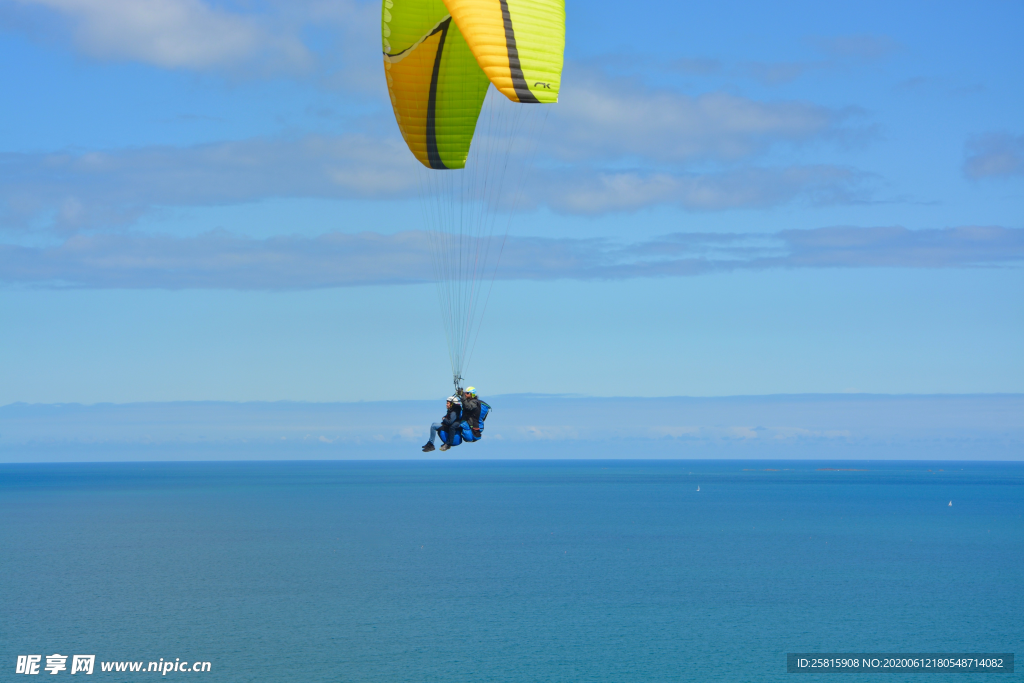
836	426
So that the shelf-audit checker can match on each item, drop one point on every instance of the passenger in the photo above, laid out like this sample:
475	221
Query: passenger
453	416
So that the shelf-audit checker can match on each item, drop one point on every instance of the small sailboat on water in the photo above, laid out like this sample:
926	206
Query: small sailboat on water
950	503
698	487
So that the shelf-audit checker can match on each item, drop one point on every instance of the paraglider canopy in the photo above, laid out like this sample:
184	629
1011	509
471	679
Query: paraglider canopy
441	58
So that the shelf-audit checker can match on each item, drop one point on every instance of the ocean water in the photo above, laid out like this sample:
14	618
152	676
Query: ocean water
509	571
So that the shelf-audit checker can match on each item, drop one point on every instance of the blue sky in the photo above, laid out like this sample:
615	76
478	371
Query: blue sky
211	201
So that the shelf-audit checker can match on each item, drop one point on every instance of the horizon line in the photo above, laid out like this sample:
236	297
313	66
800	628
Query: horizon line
566	396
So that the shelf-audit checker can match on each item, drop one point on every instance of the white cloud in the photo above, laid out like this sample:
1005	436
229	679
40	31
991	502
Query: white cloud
699	66
175	33
858	46
547	432
65	192
223	261
220	260
752	187
110	189
926	422
993	155
776	73
600	117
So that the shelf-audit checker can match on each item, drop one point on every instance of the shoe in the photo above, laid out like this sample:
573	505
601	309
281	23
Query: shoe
444	447
429	447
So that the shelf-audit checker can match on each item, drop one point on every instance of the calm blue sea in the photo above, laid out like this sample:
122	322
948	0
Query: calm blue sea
509	571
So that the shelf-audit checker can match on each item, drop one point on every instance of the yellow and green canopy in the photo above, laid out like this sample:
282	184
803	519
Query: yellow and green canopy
441	56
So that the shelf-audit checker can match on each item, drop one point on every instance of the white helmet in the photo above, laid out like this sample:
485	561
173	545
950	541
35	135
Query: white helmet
455	399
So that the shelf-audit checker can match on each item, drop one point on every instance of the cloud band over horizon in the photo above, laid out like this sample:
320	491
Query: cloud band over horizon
221	260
